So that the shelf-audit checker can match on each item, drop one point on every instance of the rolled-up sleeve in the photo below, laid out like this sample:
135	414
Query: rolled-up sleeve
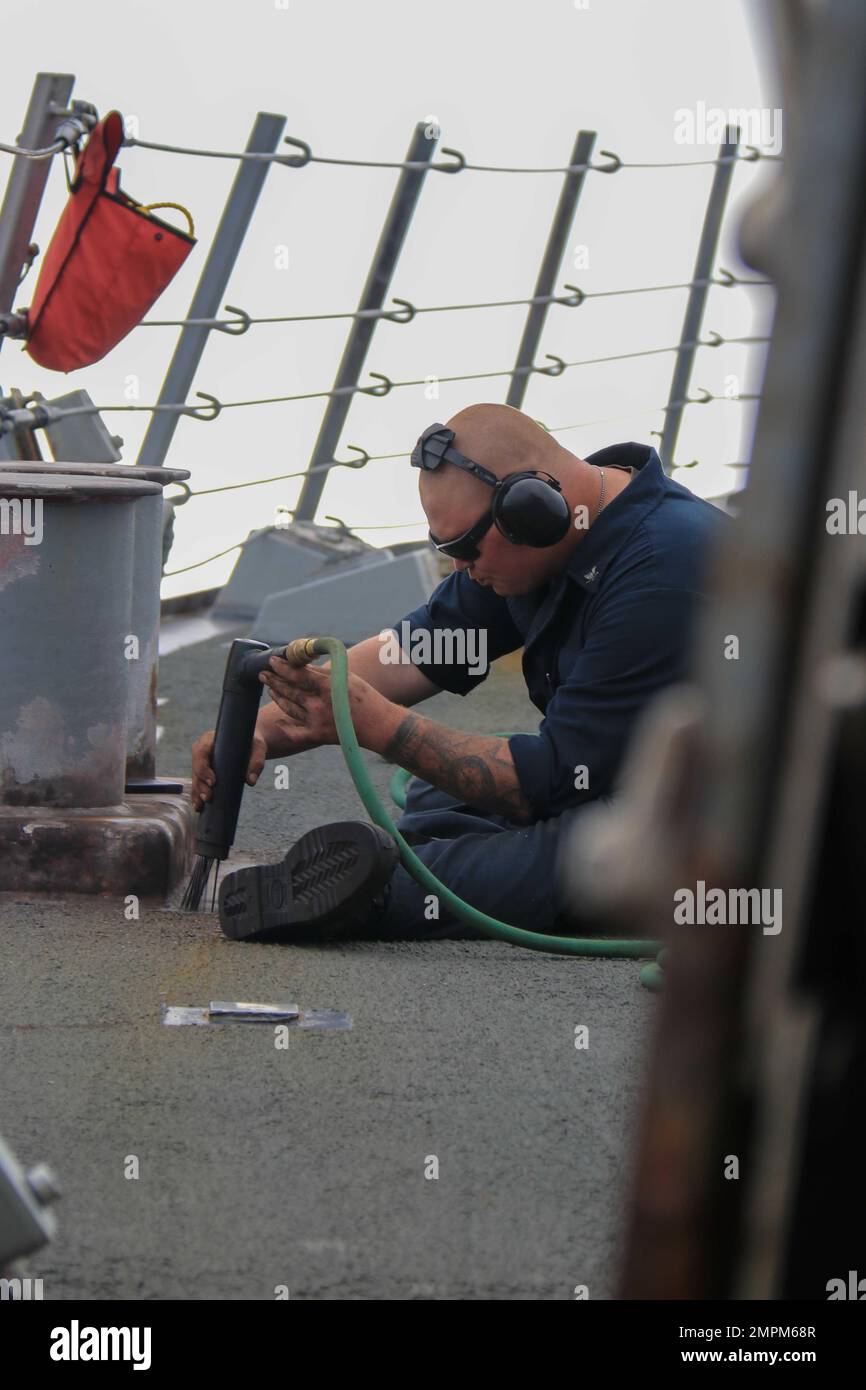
637	643
462	619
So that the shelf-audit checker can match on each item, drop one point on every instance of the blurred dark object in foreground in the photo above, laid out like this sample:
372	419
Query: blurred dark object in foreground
747	1183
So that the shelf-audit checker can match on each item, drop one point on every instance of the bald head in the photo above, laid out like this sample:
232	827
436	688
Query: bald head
501	439
504	440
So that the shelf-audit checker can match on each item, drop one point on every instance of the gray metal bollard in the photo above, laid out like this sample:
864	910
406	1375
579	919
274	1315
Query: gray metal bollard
64	618
143	619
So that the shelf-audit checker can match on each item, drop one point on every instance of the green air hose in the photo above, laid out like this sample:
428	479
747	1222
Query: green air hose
397	787
537	941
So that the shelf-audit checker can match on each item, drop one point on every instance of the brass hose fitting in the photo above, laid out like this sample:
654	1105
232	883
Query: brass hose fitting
301	651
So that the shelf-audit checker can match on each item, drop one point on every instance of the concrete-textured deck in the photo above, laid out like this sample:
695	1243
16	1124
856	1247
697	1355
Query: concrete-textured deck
305	1167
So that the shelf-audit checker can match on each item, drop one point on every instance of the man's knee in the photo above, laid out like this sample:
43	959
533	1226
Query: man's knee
422	796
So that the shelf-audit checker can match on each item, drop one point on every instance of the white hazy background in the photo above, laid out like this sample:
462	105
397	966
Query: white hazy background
509	82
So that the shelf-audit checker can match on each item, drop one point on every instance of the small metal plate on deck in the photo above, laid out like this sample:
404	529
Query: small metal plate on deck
313	1020
245	1012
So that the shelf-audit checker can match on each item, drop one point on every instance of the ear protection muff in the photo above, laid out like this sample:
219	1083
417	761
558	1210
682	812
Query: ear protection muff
529	509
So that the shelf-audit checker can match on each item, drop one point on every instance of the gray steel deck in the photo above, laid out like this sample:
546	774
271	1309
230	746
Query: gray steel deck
305	1167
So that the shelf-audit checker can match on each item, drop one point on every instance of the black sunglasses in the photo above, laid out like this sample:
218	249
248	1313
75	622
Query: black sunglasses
433	448
465	547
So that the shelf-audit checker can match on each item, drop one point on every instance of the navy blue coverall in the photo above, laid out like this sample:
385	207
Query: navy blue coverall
599	641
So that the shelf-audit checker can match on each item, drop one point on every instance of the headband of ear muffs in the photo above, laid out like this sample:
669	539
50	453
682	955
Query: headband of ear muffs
528	507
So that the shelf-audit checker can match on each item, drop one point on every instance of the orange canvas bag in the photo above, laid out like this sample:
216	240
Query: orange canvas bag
108	261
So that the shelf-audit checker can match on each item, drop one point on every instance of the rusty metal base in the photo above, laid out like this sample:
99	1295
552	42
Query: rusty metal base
142	846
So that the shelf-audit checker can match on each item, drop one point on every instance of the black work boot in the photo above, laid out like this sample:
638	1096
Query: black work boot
327	884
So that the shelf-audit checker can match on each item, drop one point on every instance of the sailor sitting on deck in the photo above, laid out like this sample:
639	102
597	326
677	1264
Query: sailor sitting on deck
594	567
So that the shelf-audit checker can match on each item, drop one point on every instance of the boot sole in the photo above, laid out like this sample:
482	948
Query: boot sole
330	874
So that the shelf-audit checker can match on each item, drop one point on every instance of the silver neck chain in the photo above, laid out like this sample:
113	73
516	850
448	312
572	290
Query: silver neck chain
600	502
600	494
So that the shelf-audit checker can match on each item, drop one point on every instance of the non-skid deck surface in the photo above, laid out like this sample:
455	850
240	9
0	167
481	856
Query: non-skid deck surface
305	1166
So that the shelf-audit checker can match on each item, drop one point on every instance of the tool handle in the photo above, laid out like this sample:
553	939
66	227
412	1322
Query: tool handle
233	737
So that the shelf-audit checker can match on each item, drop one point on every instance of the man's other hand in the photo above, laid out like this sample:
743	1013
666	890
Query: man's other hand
203	778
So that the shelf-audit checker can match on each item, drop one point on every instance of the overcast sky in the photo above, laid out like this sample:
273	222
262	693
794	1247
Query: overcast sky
509	82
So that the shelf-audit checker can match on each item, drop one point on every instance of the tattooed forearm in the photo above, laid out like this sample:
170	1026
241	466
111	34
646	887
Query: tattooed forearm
475	769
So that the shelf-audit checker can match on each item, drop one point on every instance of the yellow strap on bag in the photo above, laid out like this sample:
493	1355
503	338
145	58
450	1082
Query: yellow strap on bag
149	207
